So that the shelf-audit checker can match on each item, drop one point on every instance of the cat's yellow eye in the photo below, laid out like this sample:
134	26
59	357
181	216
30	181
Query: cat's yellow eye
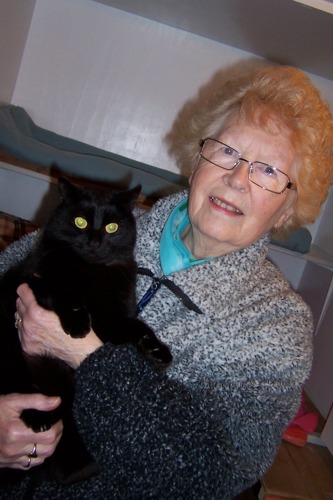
111	228
80	222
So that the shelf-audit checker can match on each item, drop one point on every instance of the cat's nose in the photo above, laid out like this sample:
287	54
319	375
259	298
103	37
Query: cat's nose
95	240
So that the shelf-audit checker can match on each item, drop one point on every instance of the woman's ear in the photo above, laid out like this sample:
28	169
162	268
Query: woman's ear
284	217
193	171
192	175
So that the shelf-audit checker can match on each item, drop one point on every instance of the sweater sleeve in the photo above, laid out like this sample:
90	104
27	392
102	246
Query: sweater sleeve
16	252
153	434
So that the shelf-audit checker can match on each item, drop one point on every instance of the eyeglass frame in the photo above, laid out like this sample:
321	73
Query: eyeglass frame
289	185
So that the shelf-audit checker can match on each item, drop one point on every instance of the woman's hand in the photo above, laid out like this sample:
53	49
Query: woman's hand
17	440
40	332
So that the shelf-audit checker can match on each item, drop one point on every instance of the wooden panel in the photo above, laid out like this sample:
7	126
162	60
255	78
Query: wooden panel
300	473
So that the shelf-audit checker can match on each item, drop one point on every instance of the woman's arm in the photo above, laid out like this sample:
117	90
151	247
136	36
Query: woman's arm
17	251
161	436
146	429
152	434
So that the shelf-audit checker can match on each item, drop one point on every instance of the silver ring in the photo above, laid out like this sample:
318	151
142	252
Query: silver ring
18	320
33	454
29	463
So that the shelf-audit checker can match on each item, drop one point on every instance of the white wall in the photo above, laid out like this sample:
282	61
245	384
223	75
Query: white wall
113	79
110	78
15	18
116	80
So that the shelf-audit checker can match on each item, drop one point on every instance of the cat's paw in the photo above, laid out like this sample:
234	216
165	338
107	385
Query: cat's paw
40	421
76	322
157	352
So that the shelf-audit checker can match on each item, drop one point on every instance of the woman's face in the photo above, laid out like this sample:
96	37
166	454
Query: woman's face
226	210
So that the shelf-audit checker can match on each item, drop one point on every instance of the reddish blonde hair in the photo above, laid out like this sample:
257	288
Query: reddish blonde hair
287	95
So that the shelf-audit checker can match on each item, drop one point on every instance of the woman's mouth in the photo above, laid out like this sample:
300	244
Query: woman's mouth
224	205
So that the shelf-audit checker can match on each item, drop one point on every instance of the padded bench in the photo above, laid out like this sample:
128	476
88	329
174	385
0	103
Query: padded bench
21	139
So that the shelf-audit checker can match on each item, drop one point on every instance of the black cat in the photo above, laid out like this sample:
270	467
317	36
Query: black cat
82	267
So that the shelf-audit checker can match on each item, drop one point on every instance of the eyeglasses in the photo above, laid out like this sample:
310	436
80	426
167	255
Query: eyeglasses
261	174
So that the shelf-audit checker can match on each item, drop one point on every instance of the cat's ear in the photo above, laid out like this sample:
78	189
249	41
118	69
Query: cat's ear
130	197
134	193
66	189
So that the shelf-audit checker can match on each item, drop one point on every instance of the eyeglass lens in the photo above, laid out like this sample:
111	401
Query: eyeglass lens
261	174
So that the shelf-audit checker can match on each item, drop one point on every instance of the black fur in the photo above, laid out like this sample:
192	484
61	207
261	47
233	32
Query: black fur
87	275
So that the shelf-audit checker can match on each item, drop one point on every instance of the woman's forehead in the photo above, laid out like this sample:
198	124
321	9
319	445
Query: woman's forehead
272	144
263	119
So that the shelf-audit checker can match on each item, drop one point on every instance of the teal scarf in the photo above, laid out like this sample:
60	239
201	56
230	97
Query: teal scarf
174	255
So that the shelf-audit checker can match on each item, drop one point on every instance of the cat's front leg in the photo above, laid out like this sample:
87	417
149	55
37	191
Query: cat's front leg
75	320
74	317
151	347
40	421
157	352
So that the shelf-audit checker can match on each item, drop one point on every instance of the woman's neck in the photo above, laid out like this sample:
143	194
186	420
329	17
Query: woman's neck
201	247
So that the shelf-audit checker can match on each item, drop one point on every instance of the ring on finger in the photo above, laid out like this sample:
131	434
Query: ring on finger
18	320
29	463
33	453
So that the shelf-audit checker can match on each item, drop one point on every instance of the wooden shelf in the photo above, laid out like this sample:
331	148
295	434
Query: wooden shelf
316	255
289	32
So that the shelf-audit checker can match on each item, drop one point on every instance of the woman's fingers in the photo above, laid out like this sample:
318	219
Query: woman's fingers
17	441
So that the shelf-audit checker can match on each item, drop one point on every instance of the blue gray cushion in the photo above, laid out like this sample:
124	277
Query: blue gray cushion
23	139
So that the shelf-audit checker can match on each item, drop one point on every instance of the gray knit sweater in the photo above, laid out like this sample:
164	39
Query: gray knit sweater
209	426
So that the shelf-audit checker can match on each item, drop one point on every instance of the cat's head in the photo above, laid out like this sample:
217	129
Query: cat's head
98	225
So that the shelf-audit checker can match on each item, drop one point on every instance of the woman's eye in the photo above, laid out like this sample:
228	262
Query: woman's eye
80	222
268	170
112	227
228	151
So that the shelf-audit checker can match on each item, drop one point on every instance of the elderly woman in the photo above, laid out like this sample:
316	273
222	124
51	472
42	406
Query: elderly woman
210	425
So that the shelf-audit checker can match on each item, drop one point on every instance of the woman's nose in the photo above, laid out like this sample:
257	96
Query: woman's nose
238	177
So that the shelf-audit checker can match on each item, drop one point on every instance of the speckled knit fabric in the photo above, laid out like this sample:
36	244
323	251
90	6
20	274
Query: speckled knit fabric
209	426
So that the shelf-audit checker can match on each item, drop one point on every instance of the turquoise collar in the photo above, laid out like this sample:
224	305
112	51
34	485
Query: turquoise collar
174	255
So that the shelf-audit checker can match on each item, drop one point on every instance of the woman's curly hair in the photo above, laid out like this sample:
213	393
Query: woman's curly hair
287	95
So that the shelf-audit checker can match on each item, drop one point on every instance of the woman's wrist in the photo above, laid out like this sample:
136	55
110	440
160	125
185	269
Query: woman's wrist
86	347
